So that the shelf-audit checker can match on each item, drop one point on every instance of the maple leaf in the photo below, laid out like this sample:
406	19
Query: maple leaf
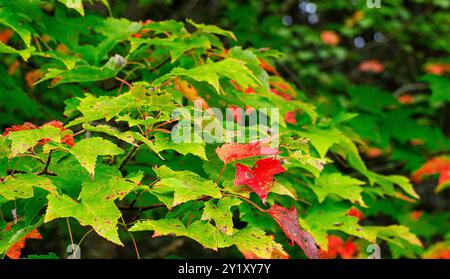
373	66
288	221
282	89
282	95
249	90
440	165
5	35
440	250
406	99
415	215
267	66
32	77
24	126
189	91
437	68
277	253
260	177
356	213
67	138
289	117
67	135
235	151
338	247
15	251
330	38
374	152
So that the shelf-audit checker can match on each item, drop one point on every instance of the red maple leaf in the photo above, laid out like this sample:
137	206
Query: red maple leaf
67	139
356	213
249	90
289	117
440	165
15	251
260	177
5	35
235	151
288	221
283	95
338	247
24	126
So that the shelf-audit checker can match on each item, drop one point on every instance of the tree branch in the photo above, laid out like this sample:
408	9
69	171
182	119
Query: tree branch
127	158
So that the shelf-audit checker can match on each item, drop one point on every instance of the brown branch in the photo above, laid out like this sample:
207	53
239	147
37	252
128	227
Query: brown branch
47	164
127	158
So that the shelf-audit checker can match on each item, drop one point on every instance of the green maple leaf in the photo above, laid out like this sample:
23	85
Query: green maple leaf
202	232
171	26
17	21
87	151
387	183
343	186
211	72
85	73
255	240
74	4
95	206
439	88
176	46
125	136
220	213
163	142
23	140
332	216
24	53
212	29
249	239
394	234
21	186
176	187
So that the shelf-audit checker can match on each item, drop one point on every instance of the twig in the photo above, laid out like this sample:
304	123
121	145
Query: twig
221	173
132	239
127	158
79	132
249	201
142	208
70	235
410	87
154	206
47	164
123	81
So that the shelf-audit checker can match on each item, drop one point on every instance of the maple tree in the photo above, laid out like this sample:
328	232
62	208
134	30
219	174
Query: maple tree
109	165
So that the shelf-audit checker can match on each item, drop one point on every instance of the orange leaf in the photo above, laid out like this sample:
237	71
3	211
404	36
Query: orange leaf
266	66
437	69
406	99
437	165
330	38
373	66
15	251
5	35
